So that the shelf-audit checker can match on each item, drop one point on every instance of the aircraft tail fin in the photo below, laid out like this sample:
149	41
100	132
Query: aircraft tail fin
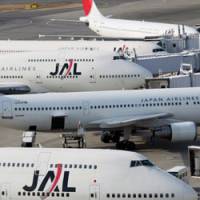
90	9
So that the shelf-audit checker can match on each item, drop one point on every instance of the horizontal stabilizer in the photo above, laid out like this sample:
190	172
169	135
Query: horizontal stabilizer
66	20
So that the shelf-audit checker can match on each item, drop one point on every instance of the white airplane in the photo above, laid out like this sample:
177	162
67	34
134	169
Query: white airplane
87	174
67	70
169	113
119	28
142	48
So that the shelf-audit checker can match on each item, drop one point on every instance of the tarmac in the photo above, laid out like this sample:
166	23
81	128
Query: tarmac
28	24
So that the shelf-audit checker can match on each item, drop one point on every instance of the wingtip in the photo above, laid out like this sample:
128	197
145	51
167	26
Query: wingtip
87	5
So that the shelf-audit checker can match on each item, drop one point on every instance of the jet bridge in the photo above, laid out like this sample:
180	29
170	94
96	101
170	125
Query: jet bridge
177	44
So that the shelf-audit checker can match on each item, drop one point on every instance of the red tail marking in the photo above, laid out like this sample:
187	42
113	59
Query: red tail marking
58	173
87	5
70	66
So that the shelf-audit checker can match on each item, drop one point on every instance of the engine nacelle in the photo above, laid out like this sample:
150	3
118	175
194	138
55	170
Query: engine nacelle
178	131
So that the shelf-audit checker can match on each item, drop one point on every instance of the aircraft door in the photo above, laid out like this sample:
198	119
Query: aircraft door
4	193
43	163
94	192
92	78
7	110
85	107
58	123
38	79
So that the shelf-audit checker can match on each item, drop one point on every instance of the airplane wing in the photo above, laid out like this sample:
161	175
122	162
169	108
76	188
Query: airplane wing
14	88
118	122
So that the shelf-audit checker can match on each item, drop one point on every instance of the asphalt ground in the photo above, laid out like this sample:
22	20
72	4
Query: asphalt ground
27	24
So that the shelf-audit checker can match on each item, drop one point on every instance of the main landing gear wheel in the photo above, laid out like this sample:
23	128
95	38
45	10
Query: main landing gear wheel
112	136
125	145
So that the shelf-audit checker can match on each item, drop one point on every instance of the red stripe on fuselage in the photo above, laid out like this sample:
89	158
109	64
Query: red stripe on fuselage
58	173
70	66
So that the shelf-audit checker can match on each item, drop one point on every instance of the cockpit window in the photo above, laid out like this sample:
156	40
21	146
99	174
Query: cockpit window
136	163
146	163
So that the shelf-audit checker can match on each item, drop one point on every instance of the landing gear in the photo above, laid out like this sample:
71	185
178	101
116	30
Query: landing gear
125	145
110	136
114	136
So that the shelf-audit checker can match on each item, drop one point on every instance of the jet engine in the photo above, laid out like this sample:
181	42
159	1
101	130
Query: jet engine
14	88
177	132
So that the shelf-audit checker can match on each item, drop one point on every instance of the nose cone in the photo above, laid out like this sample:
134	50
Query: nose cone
142	75
146	73
189	193
173	187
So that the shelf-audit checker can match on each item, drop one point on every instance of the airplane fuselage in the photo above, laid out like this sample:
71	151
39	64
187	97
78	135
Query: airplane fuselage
64	71
142	48
44	173
88	108
135	29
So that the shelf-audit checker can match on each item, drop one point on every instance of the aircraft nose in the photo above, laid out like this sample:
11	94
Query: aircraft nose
147	73
189	193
